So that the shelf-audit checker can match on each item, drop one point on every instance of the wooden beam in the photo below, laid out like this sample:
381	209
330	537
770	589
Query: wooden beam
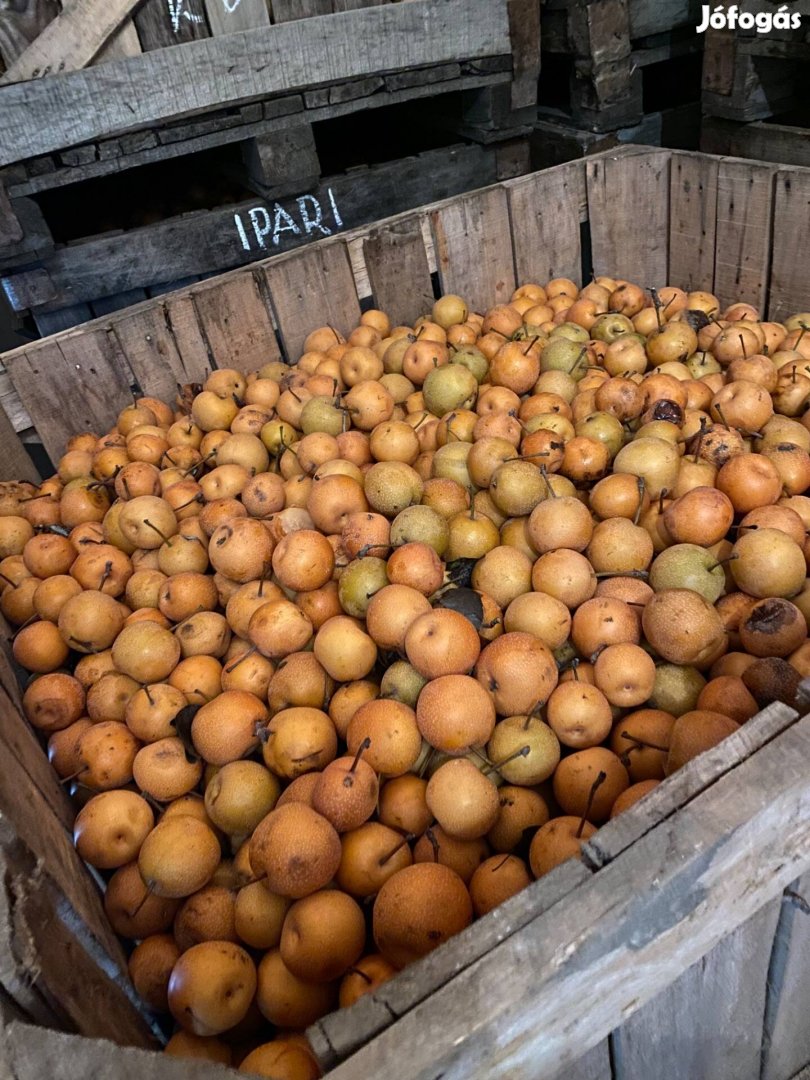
71	40
524	31
161	85
208	241
230	16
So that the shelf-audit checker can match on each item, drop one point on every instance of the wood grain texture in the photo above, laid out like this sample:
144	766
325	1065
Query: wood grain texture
524	34
71	40
398	271
287	10
124	42
635	927
313	288
545	211
230	16
595	1065
236	323
684	785
11	229
786	1046
162	23
628	210
709	1022
148	343
60	403
158	86
15	464
31	1053
20	24
788	290
692	221
473	246
743	237
760	140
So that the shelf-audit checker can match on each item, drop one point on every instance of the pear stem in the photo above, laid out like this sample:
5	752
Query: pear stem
601	778
361	749
524	751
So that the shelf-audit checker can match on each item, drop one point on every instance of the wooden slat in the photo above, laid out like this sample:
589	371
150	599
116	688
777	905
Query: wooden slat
162	23
15	464
58	402
229	16
312	288
124	42
628	209
31	1053
236	323
709	1022
789	291
692	221
524	33
760	140
341	1033
595	1065
655	16
11	405
212	72
71	40
21	24
10	228
287	10
743	240
106	305
398	271
630	931
695	777
149	345
786	1046
64	318
474	248
545	211
210	240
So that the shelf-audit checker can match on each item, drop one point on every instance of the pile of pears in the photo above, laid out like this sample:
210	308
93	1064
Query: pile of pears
336	657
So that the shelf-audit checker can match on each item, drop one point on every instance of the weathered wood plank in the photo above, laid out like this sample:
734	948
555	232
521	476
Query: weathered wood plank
148	344
236	323
524	33
628	209
287	10
789	291
343	1032
11	229
124	42
759	140
545	210
51	322
211	240
595	1065
692	221
743	238
474	248
315	288
695	777
709	1022
786	1046
15	464
228	17
31	1053
71	40
106	305
283	161
59	404
653	16
398	271
637	925
21	24
162	23
183	322
158	86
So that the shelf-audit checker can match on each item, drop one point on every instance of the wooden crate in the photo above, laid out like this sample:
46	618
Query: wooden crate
755	77
760	139
599	51
261	97
677	947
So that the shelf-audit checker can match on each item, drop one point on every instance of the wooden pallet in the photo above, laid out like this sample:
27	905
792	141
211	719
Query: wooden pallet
759	139
608	44
753	78
677	948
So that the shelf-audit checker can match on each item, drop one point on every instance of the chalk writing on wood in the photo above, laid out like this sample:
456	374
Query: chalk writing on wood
266	226
177	11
